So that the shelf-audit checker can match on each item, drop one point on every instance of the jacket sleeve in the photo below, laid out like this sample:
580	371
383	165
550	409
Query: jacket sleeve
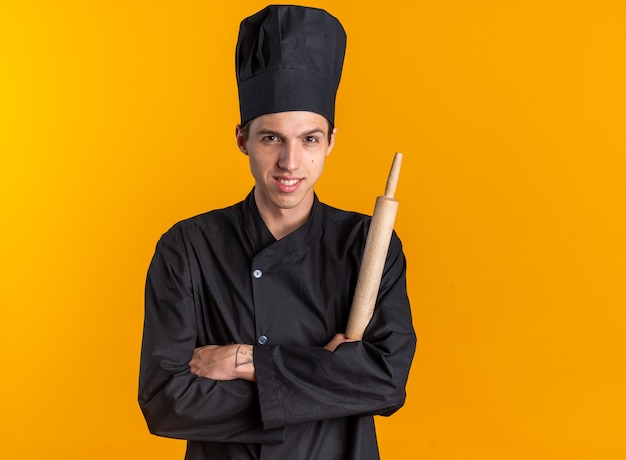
300	384
175	402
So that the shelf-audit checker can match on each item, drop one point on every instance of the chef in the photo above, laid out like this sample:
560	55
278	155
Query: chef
243	350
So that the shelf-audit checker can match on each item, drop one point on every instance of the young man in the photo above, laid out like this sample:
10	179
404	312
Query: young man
243	352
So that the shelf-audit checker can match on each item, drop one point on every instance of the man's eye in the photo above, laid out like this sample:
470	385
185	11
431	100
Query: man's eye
270	138
310	139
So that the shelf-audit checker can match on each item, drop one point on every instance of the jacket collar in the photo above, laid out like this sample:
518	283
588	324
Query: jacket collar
260	237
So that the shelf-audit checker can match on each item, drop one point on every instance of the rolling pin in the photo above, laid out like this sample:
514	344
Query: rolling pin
374	256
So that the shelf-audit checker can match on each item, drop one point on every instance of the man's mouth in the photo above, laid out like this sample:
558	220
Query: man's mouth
288	182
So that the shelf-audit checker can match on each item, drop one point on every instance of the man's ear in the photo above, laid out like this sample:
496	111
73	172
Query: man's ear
241	140
331	144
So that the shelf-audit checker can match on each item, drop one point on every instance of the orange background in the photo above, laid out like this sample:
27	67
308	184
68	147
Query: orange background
117	120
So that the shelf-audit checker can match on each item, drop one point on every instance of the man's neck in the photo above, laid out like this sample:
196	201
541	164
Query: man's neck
282	222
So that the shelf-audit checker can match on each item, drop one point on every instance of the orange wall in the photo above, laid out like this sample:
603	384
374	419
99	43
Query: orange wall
117	120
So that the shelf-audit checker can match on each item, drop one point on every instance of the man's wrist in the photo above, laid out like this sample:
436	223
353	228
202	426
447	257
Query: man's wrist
244	362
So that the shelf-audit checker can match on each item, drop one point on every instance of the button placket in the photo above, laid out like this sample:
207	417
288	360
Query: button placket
258	274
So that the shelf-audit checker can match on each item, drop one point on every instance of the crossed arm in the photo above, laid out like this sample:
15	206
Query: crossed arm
212	397
230	362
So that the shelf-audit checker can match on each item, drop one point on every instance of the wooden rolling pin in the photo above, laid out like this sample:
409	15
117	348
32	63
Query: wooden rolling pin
374	256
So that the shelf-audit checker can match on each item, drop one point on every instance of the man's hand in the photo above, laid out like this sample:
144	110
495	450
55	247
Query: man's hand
224	362
337	340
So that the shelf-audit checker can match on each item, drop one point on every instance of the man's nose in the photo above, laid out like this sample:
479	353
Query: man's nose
289	157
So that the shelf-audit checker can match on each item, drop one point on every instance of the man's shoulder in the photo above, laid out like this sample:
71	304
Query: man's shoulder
344	220
350	224
209	221
343	216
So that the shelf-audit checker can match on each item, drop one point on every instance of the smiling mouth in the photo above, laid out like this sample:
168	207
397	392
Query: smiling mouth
288	182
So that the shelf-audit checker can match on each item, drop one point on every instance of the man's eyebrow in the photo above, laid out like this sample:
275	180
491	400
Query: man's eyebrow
313	131
265	132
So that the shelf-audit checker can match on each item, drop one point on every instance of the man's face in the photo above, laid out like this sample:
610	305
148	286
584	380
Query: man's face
287	151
